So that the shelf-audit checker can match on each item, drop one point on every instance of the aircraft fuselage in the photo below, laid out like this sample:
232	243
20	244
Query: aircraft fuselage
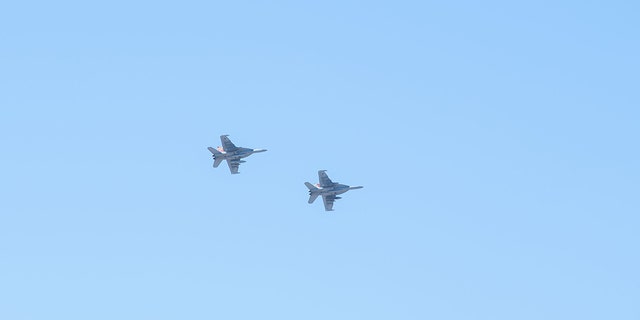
336	189
238	154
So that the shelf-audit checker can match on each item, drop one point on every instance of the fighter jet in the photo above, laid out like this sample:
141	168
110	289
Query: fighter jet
327	189
228	151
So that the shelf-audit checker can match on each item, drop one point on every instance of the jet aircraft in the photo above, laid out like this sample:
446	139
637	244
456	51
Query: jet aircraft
327	189
228	151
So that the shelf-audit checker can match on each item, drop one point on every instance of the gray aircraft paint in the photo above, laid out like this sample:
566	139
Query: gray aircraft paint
228	151
327	189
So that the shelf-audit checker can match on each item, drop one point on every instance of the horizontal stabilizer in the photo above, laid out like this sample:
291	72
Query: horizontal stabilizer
217	161
310	186
313	197
214	151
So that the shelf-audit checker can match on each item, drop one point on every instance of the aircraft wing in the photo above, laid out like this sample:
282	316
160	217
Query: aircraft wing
227	144
324	179
328	202
233	165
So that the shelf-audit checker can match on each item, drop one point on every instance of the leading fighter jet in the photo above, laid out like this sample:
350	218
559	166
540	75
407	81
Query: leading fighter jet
228	151
327	189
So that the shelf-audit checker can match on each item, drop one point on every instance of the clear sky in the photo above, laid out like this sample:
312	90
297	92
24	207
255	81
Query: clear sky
497	143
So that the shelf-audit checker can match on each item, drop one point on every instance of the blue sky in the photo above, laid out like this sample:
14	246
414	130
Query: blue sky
497	143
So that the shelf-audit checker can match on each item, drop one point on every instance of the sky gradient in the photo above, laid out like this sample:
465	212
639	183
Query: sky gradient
497	144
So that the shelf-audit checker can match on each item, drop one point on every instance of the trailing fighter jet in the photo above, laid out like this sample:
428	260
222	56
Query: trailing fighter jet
327	189
228	151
